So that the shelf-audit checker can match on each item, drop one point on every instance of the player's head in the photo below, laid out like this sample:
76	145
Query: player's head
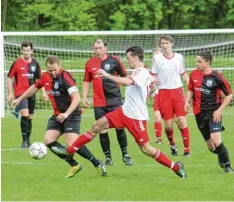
203	60
156	51
166	43
26	49
53	65
135	56
100	48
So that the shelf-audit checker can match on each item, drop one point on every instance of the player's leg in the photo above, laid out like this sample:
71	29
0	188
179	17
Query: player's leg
71	131
123	143
24	113
31	107
104	137
157	120
138	129
158	127
220	148
167	113
178	105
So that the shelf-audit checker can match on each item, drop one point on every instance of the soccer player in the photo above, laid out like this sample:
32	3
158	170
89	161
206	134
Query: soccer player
206	87
168	68
132	115
25	71
65	98
106	95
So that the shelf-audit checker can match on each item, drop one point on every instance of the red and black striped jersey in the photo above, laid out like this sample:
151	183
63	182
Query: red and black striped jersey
25	73
57	90
105	91
207	90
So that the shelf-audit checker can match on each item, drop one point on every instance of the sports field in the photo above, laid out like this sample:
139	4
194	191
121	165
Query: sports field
26	179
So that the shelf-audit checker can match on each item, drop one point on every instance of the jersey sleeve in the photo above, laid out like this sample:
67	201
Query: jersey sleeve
154	68
88	75
39	83
223	84
142	77
120	69
12	71
39	72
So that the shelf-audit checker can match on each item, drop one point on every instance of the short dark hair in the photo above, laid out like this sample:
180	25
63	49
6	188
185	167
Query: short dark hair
26	44
52	59
136	51
167	38
206	55
100	41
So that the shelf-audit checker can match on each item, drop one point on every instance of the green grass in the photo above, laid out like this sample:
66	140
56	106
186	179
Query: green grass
26	179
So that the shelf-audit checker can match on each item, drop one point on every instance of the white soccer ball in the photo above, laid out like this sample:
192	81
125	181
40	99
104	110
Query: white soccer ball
38	150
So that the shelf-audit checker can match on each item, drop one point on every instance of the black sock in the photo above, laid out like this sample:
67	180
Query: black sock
105	144
29	128
24	127
122	139
85	153
70	159
223	155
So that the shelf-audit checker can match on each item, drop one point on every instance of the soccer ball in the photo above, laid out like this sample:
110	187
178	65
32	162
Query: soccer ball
38	150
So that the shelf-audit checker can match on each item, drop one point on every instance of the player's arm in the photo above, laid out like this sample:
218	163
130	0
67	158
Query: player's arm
152	89
86	87
189	96
75	101
44	94
185	77
120	80
10	96
28	93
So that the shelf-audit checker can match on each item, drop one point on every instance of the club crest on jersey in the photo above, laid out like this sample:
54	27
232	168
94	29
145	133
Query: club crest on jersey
107	67
56	85
33	68
209	83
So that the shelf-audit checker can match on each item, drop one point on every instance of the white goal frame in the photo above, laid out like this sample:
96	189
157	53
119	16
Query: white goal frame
93	33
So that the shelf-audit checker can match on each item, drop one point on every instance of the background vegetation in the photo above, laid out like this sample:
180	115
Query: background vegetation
87	15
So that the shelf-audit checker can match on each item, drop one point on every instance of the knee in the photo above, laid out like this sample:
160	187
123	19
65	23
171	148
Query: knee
168	128
96	127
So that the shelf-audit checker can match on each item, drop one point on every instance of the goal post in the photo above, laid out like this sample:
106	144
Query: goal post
75	48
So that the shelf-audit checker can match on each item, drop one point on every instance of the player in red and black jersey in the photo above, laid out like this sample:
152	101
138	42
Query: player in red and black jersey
25	71
205	89
106	95
65	99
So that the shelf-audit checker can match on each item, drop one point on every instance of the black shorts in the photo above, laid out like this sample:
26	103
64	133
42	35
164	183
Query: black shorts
101	111
28	103
206	125
70	125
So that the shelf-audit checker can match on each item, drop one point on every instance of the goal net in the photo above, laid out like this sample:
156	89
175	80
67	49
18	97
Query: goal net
75	48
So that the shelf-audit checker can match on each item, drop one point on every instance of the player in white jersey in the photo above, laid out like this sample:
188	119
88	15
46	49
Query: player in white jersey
168	68
132	115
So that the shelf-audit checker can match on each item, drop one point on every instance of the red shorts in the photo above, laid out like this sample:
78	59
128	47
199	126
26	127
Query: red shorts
156	102
171	103
137	128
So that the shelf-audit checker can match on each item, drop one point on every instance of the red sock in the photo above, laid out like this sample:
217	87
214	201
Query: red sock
170	136
164	160
80	142
186	139
158	129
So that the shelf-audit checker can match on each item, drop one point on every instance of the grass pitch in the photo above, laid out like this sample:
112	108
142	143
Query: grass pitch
26	179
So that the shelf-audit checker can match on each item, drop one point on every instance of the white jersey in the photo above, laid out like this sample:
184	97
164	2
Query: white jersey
168	70
136	94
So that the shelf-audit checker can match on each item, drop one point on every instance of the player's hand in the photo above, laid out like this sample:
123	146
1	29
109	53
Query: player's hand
86	102
61	117
10	97
217	115
14	103
46	98
186	107
101	73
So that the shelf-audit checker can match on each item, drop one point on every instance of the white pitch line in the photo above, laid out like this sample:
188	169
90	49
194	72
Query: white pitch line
12	149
